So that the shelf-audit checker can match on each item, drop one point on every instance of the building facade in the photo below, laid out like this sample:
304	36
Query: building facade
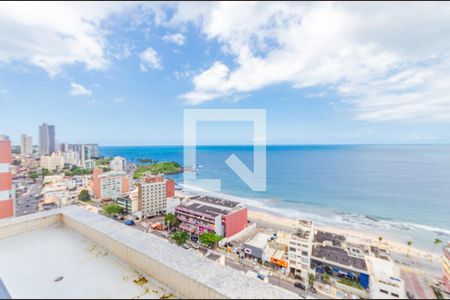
118	164
300	250
206	214
47	143
153	194
6	188
110	185
26	145
53	162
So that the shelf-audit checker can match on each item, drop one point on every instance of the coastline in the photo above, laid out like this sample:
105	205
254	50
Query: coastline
409	257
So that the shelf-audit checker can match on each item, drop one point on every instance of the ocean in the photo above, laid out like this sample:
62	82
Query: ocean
397	191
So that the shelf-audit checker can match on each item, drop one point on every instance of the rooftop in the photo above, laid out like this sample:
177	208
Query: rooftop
29	268
217	201
188	274
335	239
211	206
259	241
338	255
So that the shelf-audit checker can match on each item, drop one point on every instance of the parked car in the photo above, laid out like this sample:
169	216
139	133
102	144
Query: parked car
186	246
313	290
130	223
300	285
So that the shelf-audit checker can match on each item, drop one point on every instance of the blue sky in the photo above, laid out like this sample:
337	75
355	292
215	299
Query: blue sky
327	73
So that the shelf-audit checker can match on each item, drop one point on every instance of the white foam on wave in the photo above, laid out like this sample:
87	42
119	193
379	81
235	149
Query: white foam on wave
342	220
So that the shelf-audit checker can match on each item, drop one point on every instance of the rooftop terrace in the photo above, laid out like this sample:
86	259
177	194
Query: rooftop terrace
128	249
340	256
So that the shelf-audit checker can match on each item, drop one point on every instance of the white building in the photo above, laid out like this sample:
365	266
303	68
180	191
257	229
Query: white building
89	164
72	158
152	196
26	146
300	249
118	164
53	162
385	281
172	203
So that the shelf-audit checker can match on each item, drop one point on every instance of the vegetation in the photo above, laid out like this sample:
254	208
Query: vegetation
76	171
210	238
46	172
326	278
84	196
180	237
351	283
409	243
158	168
103	161
170	220
311	278
380	239
106	169
437	242
113	209
33	175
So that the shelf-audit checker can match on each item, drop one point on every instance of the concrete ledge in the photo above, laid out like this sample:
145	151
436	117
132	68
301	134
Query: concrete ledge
190	275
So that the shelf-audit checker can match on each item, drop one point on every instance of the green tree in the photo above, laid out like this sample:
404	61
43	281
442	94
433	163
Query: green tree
170	220
210	238
436	243
409	243
181	237
46	172
33	175
311	278
326	278
380	239
84	196
112	209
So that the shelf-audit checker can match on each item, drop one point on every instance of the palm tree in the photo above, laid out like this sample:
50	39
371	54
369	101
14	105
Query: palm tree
436	243
380	239
409	245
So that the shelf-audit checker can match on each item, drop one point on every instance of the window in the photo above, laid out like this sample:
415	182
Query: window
384	292
395	295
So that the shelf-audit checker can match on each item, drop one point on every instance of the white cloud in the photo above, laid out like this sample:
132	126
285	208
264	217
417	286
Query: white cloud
118	99
176	38
51	35
390	61
150	60
3	91
79	90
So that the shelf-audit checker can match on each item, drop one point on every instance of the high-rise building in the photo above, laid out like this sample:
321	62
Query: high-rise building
53	162
153	194
6	190
300	249
26	146
110	185
91	151
47	143
118	164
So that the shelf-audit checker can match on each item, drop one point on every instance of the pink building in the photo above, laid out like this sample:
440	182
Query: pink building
206	214
6	199
110	185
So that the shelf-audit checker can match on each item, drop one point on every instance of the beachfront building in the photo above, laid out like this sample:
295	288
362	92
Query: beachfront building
207	214
53	162
172	203
341	265
118	164
153	194
300	250
275	254
446	260
385	280
110	185
6	187
254	248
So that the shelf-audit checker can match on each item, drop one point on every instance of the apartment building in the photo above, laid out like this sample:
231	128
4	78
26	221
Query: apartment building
26	145
6	188
118	164
300	250
153	194
110	185
206	214
385	280
53	162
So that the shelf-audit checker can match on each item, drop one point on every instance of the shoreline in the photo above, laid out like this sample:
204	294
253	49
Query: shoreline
275	221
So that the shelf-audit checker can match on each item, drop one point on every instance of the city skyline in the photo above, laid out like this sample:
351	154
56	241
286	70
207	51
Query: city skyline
138	66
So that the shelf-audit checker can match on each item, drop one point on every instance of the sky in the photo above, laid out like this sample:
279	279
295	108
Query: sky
326	73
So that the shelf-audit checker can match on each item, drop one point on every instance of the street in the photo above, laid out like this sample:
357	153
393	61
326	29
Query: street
28	202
